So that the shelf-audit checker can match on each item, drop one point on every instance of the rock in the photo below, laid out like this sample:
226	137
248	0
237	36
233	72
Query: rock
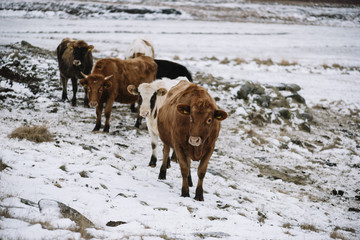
55	207
297	98
263	100
115	223
248	88
287	87
244	92
285	113
304	127
305	116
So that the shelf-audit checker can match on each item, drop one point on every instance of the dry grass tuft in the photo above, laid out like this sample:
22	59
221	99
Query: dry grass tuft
37	134
267	62
287	63
337	235
309	227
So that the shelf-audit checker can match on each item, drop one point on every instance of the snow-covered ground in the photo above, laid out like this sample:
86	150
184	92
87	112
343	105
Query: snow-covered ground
265	180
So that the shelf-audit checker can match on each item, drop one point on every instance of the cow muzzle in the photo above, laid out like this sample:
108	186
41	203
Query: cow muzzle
76	63
93	104
195	141
144	113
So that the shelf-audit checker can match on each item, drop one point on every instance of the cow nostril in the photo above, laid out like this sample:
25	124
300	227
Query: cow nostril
144	114
93	104
195	141
77	62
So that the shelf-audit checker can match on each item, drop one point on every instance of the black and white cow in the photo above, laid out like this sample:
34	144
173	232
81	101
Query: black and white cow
151	98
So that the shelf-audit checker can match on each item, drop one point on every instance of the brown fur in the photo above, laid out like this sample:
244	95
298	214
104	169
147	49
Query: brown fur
120	73
65	56
189	111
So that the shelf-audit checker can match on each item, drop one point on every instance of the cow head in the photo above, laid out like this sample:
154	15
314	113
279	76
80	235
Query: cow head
80	49
147	97
95	84
202	117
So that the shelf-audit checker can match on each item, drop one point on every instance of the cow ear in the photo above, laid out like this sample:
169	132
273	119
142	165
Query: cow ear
91	47
70	45
84	82
183	109
133	90
161	91
220	115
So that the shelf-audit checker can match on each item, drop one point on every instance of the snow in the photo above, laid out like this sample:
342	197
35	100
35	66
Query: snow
261	183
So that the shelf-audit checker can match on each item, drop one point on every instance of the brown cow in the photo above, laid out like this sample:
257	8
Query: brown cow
189	122
109	80
74	57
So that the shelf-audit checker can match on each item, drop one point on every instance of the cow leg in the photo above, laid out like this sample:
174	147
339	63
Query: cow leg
64	82
173	157
184	163
201	174
86	98
133	108
190	179
99	109
166	150
108	109
74	87
154	142
185	169
138	121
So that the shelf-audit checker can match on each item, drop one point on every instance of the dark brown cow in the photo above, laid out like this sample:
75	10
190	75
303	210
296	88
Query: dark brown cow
189	122
74	57
109	80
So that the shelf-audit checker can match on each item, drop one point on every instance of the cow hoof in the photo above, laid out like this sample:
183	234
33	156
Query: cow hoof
73	103
162	175
152	162
185	194
96	128
199	198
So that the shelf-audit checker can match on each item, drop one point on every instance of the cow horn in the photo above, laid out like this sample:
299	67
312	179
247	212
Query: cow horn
108	77
85	76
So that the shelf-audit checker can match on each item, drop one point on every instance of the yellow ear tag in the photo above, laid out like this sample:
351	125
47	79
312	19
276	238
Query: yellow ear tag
218	117
186	112
71	48
89	49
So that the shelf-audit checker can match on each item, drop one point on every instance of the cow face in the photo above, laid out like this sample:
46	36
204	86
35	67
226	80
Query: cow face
147	97
202	118
95	84
80	52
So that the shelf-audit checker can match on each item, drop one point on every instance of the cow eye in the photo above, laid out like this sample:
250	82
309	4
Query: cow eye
209	121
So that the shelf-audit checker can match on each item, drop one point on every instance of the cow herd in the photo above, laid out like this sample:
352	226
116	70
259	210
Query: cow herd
181	113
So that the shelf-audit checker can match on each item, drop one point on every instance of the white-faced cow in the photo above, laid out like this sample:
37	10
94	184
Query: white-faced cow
140	47
151	98
189	122
74	57
109	80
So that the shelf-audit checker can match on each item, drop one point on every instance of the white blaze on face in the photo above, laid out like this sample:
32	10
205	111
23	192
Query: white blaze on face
146	91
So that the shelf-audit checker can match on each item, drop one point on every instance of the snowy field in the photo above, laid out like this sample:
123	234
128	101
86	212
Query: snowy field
269	177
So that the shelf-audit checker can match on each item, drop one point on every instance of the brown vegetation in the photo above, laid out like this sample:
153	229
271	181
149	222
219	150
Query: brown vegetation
37	134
